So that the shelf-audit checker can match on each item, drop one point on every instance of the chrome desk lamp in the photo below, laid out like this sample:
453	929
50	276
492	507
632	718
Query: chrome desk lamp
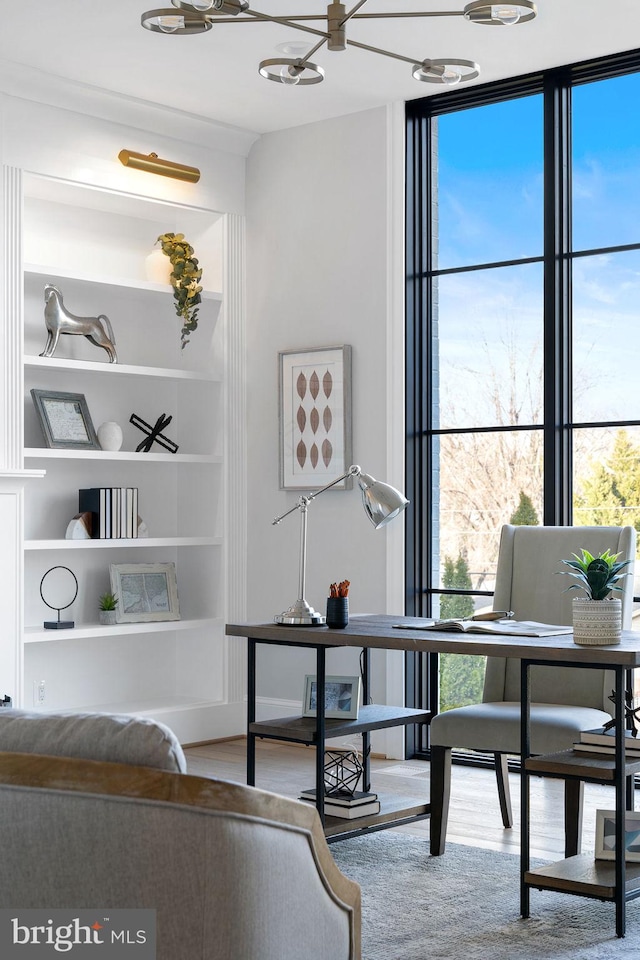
381	503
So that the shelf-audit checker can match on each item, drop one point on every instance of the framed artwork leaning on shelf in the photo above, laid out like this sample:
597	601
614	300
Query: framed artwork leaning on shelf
606	835
146	592
341	697
65	420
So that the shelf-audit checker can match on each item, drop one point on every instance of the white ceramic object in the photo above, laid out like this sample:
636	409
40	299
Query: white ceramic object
77	528
158	267
110	435
597	622
107	617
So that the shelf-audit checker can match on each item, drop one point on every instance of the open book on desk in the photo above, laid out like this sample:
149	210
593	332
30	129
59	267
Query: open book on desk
506	628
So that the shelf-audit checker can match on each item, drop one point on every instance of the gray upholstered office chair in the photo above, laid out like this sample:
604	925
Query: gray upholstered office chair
564	701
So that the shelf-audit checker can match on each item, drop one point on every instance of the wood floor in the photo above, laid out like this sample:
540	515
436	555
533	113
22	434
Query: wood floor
474	817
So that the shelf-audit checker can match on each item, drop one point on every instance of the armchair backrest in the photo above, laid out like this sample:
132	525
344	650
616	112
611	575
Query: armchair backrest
231	871
526	582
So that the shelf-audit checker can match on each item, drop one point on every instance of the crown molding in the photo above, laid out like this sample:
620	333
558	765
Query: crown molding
29	83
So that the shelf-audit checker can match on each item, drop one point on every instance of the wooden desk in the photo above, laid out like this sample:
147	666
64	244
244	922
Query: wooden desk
578	875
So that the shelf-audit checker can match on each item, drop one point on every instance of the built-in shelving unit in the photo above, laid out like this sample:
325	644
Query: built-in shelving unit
93	245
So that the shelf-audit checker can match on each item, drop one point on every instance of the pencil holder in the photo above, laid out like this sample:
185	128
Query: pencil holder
337	612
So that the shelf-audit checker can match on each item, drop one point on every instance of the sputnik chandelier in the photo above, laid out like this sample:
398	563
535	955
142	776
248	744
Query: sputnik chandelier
198	16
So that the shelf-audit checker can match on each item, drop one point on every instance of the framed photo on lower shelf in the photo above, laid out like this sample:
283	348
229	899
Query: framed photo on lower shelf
606	835
146	592
341	697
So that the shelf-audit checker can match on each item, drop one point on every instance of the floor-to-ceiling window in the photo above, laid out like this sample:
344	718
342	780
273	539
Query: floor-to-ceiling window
523	330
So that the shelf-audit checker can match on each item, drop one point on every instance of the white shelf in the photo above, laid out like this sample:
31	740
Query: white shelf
146	286
90	630
122	543
47	453
118	369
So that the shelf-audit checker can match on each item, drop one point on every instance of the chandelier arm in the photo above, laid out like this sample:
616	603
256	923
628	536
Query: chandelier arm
285	23
313	50
385	53
355	16
353	12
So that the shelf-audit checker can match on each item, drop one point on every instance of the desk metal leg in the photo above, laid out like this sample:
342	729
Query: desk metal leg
251	712
320	728
366	737
620	787
525	748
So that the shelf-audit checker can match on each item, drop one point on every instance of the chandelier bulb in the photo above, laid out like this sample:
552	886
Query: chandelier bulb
170	24
290	74
203	5
505	13
450	77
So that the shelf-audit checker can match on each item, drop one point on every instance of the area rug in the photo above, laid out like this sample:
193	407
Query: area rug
465	906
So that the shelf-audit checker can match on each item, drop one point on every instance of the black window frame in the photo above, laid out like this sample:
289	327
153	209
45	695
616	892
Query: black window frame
555	86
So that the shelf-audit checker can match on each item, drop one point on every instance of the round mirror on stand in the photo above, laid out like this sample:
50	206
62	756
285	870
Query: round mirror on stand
59	592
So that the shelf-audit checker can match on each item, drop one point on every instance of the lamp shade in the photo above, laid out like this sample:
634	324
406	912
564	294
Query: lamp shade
381	502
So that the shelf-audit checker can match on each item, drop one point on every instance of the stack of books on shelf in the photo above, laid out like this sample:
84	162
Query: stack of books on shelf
346	805
604	741
114	511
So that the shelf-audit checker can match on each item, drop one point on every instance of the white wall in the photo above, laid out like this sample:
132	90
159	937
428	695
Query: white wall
322	262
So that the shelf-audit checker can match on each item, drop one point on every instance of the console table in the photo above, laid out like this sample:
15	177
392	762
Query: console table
616	880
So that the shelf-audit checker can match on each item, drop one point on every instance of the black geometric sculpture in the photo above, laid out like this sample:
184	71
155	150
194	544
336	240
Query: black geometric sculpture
153	433
342	771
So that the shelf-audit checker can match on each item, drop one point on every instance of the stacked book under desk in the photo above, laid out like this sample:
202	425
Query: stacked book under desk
345	805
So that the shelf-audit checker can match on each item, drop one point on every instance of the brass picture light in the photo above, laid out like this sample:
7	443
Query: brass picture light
152	163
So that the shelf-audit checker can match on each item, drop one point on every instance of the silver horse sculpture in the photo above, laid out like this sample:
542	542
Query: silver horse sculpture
58	320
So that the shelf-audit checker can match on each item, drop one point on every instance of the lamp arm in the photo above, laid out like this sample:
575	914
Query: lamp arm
303	502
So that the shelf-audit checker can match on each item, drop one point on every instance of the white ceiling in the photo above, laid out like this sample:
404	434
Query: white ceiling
215	75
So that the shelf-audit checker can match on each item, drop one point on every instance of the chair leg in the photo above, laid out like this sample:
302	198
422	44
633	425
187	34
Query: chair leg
440	794
573	804
504	794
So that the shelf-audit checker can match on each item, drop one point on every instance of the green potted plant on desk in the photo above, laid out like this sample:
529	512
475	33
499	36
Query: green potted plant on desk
107	605
597	618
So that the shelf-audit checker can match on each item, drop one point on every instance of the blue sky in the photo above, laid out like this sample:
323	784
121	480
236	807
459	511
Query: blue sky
490	208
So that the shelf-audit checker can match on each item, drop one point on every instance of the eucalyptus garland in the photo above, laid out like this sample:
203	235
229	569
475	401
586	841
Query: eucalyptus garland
185	277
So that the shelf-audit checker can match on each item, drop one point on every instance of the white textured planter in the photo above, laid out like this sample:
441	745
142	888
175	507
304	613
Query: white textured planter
107	617
597	622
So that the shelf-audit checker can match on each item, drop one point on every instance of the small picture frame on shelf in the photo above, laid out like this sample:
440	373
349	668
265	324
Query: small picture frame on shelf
65	420
146	592
606	835
341	697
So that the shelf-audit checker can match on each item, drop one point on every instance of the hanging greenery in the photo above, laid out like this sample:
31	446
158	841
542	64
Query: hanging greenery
185	277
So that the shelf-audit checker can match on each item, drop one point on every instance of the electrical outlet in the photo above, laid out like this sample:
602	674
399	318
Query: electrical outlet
38	693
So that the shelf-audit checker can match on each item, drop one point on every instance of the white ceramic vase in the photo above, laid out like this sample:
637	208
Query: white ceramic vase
597	622
110	435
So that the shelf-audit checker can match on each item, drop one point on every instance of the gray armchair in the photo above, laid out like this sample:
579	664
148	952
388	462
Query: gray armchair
232	872
565	701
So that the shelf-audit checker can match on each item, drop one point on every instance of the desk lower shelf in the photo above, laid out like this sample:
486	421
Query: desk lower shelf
593	767
394	810
373	716
584	876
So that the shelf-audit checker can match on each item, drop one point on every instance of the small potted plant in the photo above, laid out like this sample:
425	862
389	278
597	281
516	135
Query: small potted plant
597	619
107	608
